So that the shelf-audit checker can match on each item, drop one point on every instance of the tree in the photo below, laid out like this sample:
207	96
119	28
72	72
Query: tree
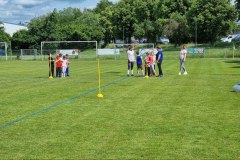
4	37
104	9
213	19
124	19
237	6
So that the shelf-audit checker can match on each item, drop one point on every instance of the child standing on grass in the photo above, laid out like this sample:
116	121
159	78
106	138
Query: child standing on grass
64	66
147	65
59	67
139	63
68	62
182	58
151	59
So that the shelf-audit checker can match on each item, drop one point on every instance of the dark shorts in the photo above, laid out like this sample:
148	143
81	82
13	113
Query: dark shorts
139	66
130	65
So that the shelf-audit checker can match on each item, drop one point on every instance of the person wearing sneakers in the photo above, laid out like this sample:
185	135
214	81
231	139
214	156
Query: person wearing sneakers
139	63
183	55
131	59
159	59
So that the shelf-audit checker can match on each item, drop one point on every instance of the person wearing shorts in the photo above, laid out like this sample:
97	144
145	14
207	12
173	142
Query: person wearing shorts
131	60
139	63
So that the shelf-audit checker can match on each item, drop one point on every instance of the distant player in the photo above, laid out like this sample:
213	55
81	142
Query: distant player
147	65
139	64
183	55
159	59
68	63
59	67
151	60
64	66
131	60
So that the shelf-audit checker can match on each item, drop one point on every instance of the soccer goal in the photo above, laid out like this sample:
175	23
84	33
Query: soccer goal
29	54
3	50
143	48
75	49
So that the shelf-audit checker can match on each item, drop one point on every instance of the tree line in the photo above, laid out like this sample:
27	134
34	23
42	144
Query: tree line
180	20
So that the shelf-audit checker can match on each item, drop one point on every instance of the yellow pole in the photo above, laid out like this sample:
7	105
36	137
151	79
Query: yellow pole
50	67
99	82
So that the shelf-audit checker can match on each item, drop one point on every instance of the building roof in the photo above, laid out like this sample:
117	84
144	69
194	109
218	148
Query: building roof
11	28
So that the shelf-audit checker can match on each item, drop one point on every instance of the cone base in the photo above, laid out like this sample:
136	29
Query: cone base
100	95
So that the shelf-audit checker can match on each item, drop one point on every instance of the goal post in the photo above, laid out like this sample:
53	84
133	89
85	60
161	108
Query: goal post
4	50
29	54
75	49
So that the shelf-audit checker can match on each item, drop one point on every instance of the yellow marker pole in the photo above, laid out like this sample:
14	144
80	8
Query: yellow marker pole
99	82
50	68
146	76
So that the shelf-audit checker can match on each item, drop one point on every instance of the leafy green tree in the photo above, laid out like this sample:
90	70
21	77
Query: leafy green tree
4	37
104	9
212	19
22	39
177	29
124	19
237	6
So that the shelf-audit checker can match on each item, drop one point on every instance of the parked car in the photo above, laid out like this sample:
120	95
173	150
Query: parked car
164	40
236	38
229	38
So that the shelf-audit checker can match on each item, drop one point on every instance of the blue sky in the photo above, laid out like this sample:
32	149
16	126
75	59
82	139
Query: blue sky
15	11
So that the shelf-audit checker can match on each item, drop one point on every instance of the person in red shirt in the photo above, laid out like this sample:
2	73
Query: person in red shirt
59	67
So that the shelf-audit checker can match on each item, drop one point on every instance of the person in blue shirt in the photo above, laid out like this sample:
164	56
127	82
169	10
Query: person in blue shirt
159	59
139	64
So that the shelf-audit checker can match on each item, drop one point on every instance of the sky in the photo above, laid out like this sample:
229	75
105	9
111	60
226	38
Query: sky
15	11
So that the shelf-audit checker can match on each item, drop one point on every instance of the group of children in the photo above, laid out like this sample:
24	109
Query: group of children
62	65
149	61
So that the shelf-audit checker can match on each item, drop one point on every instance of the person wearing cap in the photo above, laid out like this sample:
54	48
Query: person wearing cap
159	59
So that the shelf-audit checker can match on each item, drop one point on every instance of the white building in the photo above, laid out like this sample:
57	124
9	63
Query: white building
11	28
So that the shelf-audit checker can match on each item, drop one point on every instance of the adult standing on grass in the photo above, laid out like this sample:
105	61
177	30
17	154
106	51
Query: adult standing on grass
51	65
131	60
159	59
183	55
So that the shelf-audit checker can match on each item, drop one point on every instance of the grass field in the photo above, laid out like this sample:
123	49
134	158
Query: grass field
175	117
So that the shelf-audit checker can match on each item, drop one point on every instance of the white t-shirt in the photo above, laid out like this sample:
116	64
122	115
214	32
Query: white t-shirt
64	63
182	53
131	56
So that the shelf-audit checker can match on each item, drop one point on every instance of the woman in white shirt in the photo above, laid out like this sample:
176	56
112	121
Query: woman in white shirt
131	60
183	55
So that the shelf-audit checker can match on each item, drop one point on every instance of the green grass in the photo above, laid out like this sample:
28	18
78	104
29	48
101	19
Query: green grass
176	117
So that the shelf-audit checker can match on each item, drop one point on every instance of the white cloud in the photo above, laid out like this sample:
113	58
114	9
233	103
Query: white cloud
3	2
16	11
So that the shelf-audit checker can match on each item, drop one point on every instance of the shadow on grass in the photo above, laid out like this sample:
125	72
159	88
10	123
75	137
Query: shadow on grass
236	66
233	61
114	72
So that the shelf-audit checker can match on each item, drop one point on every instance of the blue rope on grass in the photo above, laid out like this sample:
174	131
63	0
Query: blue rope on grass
57	104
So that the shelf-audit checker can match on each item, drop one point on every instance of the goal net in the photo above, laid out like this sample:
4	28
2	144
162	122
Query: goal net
79	50
29	54
3	50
